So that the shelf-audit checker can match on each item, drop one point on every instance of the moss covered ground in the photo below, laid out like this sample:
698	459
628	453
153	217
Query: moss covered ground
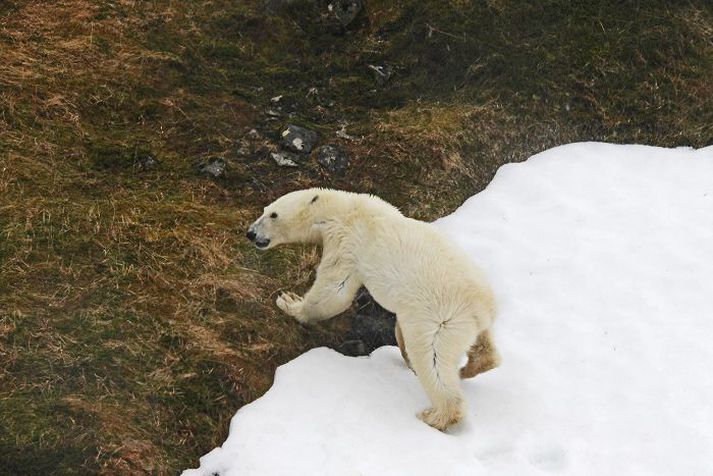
134	317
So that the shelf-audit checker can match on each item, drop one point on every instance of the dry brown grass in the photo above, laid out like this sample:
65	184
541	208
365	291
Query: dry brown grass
116	288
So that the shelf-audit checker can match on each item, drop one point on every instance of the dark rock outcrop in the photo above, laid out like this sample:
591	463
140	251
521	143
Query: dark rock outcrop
333	158
298	139
345	11
214	167
372	327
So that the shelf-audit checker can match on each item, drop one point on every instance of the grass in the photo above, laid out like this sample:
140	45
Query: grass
134	318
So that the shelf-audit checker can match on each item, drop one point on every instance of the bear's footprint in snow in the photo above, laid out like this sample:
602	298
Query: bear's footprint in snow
552	459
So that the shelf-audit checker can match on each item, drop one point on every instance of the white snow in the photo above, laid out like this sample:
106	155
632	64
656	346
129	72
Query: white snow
602	259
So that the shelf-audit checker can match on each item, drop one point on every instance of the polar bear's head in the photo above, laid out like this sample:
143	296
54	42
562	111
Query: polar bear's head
289	219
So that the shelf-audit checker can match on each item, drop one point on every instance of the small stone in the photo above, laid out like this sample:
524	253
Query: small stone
345	10
243	149
342	133
214	167
273	113
284	159
382	73
276	99
298	139
145	161
254	134
333	158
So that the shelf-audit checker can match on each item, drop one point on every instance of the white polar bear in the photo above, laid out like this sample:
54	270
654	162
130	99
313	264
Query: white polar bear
443	304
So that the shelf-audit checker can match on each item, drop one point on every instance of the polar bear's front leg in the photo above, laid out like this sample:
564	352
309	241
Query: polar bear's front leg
291	304
332	293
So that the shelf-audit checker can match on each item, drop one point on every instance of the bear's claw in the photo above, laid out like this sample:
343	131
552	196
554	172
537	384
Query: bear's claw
441	420
291	304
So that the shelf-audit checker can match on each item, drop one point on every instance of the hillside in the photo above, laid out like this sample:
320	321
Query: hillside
135	319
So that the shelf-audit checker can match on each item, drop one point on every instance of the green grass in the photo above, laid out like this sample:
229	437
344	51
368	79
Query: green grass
134	318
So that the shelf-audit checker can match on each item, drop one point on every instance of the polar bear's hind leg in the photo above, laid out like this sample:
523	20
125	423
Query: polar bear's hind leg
435	350
482	356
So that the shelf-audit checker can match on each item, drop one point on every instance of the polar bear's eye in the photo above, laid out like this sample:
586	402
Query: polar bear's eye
273	215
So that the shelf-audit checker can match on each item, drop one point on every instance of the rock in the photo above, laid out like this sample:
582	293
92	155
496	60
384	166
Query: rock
334	158
298	139
372	327
382	73
345	10
353	348
284	159
145	161
342	133
214	168
253	134
243	149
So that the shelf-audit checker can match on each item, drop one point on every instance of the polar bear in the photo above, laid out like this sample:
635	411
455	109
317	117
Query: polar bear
443	304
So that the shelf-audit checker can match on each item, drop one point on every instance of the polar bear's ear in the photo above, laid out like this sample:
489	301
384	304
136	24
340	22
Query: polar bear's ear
314	199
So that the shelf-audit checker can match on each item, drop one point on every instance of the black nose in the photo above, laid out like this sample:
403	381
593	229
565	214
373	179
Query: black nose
251	235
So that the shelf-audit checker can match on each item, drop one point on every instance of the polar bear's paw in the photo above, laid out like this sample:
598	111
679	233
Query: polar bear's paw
292	305
441	419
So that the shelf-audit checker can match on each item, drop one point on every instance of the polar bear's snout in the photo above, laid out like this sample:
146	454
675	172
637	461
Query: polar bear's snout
256	237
